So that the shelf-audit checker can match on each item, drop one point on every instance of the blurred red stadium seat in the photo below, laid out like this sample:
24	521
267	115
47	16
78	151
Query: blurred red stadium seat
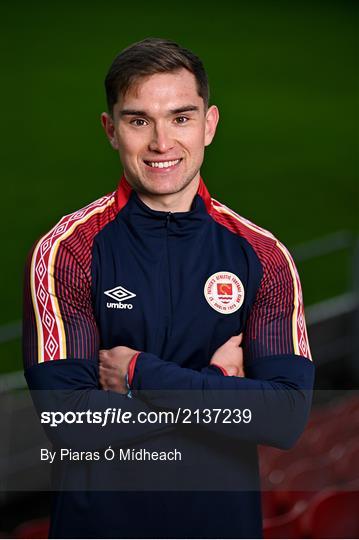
333	514
300	482
36	528
269	504
288	525
347	406
325	458
345	460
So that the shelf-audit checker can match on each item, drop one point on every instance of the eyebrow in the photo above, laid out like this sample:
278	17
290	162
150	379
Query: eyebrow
135	112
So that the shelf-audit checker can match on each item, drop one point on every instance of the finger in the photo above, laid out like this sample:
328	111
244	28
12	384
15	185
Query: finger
104	375
237	339
105	372
106	361
102	355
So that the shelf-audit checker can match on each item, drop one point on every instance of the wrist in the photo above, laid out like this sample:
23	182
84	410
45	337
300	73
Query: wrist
131	369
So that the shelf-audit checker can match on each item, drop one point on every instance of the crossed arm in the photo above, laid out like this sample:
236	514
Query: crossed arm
276	389
277	385
114	363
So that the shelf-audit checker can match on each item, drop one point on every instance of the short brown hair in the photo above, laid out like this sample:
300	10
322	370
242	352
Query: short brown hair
147	57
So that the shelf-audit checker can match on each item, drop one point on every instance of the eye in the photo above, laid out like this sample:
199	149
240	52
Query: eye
138	122
181	119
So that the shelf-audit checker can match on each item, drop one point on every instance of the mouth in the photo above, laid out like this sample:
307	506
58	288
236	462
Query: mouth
163	165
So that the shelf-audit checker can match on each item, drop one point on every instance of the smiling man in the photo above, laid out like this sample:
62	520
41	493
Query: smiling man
160	127
156	292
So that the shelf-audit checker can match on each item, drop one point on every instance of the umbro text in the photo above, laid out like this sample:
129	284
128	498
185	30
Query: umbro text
119	305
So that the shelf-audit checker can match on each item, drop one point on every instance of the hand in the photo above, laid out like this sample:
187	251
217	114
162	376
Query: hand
113	368
230	356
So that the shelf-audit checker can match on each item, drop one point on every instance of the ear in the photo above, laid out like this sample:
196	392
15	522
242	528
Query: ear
108	126
212	117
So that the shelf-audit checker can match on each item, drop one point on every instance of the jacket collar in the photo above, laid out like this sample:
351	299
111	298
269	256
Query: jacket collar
124	191
142	218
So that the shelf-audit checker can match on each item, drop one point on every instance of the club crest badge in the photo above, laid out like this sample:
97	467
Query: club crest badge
224	292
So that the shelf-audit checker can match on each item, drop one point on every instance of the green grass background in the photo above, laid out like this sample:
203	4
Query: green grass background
284	75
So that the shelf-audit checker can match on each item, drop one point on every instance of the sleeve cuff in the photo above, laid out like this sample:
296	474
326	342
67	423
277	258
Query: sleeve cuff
225	373
131	368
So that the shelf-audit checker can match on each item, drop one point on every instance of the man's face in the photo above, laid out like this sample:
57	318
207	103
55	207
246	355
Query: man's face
160	129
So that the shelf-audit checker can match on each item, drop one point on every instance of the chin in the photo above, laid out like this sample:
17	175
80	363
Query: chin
164	189
161	186
159	192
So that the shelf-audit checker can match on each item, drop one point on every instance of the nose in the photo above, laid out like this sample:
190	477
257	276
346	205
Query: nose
161	140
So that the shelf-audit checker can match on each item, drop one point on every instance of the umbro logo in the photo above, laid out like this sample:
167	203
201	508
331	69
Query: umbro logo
120	294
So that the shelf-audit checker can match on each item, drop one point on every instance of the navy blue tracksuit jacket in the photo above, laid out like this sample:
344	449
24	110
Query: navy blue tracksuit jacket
174	286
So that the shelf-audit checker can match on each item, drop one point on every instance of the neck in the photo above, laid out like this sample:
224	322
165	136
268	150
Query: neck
172	202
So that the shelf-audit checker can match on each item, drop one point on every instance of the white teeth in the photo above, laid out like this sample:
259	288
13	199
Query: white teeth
163	164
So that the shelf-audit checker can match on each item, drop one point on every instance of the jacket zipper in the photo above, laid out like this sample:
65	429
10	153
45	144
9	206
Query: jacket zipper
169	278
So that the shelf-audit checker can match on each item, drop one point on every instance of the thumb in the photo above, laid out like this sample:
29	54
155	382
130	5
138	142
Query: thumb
238	339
